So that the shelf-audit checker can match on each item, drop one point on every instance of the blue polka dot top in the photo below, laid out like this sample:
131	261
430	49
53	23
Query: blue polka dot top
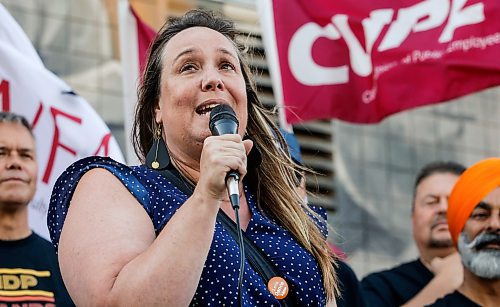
219	280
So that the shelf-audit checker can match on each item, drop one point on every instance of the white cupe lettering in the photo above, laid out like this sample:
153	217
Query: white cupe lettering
461	17
302	65
361	60
423	16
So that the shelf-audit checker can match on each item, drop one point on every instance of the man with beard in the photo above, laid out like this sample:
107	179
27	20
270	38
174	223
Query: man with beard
437	271
474	223
29	271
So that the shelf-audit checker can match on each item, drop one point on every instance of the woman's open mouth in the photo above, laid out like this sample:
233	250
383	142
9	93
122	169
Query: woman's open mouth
206	109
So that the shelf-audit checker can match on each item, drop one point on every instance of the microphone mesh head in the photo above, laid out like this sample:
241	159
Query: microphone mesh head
221	112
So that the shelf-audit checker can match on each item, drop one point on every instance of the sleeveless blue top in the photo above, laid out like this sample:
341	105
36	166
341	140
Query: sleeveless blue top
219	280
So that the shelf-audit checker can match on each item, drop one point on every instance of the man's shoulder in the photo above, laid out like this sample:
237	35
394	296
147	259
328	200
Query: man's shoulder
454	299
405	269
394	287
33	240
350	288
37	239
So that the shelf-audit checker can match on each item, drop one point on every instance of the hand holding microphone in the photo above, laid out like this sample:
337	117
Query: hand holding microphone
223	121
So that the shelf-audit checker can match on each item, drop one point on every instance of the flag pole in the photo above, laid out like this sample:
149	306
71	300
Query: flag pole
265	9
129	57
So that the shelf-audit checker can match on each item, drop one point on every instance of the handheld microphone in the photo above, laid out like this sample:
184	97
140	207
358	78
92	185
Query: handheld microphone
223	121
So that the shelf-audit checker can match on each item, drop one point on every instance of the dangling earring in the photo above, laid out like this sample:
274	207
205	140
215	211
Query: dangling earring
158	157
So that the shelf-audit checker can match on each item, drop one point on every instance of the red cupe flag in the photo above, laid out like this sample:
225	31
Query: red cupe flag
145	36
360	61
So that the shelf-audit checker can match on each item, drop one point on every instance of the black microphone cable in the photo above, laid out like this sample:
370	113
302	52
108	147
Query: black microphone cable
235	203
223	121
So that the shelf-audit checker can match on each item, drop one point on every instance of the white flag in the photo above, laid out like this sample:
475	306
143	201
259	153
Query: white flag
65	126
135	38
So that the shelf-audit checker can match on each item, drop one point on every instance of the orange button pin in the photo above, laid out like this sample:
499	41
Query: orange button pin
278	287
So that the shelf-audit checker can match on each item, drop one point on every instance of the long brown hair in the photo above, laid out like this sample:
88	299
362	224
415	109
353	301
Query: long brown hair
274	179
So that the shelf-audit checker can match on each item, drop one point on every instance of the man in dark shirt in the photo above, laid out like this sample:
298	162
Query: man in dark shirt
474	222
351	294
29	271
437	271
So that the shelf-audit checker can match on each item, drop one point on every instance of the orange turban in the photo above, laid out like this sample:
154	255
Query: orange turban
474	184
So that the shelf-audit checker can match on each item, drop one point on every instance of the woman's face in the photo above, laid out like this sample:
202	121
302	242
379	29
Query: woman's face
200	70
